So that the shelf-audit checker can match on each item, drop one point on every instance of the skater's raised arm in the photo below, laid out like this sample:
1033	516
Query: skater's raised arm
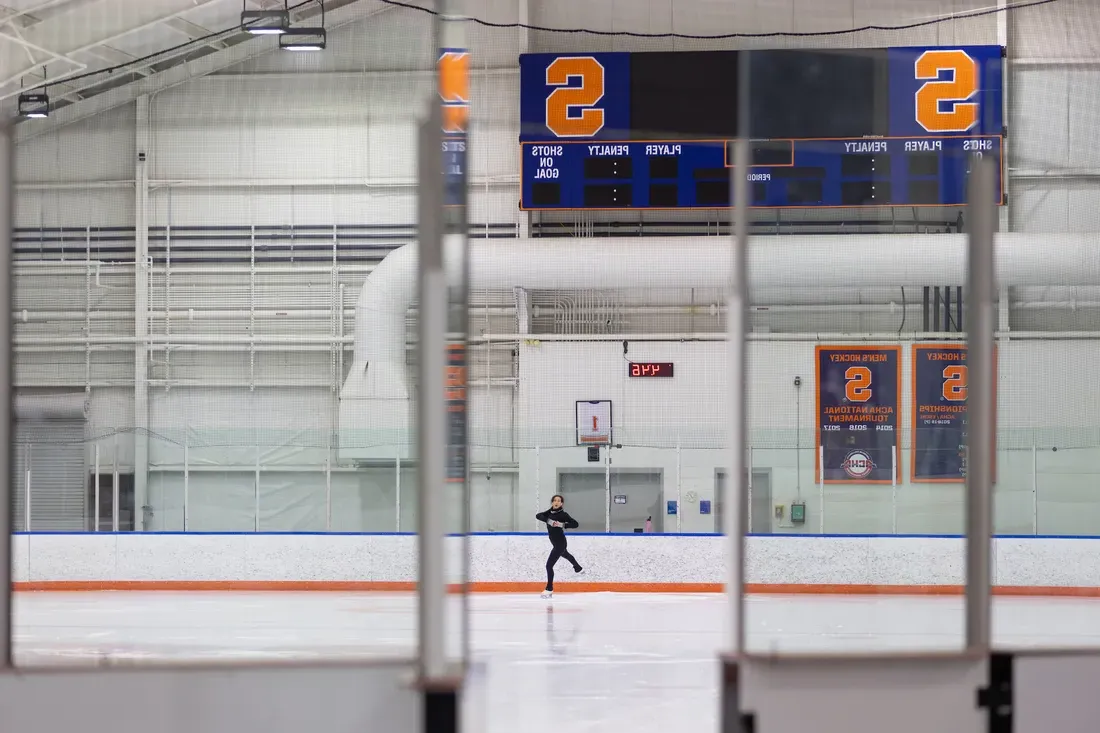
541	516
567	521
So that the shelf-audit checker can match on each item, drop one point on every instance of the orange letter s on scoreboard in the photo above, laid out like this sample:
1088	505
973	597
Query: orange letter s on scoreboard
578	100
857	384
963	85
955	383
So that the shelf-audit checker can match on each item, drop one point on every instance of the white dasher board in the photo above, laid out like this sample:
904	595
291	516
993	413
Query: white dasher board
837	694
593	422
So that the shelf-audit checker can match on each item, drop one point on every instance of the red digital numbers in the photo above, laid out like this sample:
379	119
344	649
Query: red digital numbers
649	369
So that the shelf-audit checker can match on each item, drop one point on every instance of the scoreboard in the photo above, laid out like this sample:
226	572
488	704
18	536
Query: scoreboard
854	128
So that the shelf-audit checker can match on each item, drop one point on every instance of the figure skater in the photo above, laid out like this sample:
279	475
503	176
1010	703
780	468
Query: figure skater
557	521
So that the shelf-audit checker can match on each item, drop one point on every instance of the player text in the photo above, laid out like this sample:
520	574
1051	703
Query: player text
662	149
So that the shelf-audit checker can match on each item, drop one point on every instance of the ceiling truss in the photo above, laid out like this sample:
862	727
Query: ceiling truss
181	40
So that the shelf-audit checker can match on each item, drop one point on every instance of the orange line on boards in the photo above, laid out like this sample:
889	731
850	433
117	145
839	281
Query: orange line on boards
563	587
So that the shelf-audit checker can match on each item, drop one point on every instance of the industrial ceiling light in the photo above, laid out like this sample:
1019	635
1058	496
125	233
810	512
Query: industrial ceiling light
35	105
265	22
303	39
312	38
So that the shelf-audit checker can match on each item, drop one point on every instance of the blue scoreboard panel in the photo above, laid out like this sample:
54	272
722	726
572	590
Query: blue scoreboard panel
874	127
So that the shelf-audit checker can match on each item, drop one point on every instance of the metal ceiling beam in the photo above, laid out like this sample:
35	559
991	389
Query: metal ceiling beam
54	56
31	16
183	72
192	30
68	54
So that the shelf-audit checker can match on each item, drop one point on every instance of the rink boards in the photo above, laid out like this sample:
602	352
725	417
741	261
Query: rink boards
1040	566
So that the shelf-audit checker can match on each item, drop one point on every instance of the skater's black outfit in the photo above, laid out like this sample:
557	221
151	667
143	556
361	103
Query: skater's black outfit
557	539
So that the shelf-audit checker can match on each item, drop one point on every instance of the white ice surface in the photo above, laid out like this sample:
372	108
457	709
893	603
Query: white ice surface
580	662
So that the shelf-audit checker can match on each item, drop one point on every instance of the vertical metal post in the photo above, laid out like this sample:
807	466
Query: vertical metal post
607	490
538	480
141	312
1004	32
894	489
328	495
252	302
454	170
256	492
748	502
821	489
397	491
679	491
7	196
114	502
27	452
114	482
431	407
88	311
1034	490
186	481
981	321
95	494
737	304
341	332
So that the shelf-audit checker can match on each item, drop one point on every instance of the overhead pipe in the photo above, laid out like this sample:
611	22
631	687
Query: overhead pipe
848	261
181	339
193	314
874	337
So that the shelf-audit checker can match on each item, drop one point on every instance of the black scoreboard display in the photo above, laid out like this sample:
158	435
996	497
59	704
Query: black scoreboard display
871	127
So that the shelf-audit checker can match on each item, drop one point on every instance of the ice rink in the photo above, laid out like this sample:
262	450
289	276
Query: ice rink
580	662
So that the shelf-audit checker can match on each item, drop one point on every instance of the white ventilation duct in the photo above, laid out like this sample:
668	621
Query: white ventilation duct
376	392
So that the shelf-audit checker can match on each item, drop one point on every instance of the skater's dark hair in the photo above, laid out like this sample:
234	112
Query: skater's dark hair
557	496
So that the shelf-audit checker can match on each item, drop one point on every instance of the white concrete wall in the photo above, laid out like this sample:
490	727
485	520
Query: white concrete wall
1046	399
651	563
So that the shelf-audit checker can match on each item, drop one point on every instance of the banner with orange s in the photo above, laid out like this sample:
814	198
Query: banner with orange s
941	382
858	391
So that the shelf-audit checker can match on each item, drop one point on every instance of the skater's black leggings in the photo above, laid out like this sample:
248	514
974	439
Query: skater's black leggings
559	551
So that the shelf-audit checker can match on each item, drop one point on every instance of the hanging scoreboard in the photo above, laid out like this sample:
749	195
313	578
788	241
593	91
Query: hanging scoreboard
852	128
941	383
857	413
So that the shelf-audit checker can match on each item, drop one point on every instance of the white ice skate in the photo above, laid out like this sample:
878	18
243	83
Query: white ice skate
579	573
547	594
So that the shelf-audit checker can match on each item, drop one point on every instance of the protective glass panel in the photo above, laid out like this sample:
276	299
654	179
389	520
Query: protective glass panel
213	391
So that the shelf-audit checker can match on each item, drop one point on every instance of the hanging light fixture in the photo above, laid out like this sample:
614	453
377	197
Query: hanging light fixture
303	39
311	38
265	22
34	104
